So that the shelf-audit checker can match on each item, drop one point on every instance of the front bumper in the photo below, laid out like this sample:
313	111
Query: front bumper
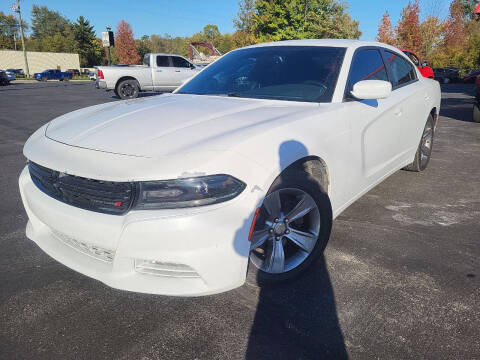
212	241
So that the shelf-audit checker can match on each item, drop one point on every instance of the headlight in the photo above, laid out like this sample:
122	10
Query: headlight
181	193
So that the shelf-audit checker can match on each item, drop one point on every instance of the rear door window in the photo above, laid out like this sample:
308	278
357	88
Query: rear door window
366	65
402	71
163	61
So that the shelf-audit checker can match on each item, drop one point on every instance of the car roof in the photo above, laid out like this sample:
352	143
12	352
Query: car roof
346	43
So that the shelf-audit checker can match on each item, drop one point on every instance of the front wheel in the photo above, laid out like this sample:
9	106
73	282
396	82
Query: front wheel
292	228
128	89
424	150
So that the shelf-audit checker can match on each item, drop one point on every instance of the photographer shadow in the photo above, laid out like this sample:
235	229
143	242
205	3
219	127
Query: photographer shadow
295	319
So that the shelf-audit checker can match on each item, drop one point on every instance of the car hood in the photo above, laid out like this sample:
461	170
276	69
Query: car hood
171	124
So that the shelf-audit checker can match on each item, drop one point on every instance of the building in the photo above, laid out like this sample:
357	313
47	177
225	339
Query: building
38	61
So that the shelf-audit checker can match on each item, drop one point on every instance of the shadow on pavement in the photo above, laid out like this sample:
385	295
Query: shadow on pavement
296	319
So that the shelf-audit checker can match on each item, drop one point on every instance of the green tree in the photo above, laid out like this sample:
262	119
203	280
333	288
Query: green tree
169	44
46	22
144	46
431	31
8	31
303	19
84	35
211	33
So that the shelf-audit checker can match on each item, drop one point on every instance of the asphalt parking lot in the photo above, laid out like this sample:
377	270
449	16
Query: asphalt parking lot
400	278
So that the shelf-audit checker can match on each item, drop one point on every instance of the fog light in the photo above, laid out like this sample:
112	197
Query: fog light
158	268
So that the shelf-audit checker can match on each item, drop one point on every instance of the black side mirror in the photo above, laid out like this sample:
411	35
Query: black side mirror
192	66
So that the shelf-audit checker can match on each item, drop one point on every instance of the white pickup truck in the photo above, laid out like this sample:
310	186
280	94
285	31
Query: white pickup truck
159	72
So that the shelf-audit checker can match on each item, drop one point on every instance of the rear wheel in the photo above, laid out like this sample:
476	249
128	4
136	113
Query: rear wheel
424	150
292	228
128	89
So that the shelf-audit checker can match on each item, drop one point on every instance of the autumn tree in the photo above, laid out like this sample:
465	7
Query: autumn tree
126	48
385	30
408	29
455	31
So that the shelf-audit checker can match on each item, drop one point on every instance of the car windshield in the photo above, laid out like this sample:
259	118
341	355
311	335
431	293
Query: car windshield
294	73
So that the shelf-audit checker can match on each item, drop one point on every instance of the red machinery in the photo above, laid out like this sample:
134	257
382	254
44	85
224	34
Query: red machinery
194	53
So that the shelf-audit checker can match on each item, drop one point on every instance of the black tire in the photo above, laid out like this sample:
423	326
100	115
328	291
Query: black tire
418	164
128	89
298	179
476	113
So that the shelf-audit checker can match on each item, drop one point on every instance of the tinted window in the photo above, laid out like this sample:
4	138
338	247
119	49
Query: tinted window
295	73
402	71
162	61
366	65
180	62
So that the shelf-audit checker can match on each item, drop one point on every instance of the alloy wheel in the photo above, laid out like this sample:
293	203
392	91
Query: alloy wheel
127	90
426	144
286	231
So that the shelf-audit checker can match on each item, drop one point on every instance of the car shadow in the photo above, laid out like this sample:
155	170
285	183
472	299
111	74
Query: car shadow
295	319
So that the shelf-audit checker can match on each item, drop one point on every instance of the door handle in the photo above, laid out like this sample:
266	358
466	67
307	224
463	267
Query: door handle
177	70
159	70
397	112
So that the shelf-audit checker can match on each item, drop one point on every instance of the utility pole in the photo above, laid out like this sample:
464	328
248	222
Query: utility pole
16	8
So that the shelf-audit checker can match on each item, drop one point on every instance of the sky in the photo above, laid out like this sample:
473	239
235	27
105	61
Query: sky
185	17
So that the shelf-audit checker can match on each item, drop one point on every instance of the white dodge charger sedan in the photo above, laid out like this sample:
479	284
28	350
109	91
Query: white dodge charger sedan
248	162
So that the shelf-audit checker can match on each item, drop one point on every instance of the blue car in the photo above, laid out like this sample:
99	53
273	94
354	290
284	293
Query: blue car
52	74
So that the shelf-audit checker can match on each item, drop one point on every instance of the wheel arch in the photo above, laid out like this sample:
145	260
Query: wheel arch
314	166
126	78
